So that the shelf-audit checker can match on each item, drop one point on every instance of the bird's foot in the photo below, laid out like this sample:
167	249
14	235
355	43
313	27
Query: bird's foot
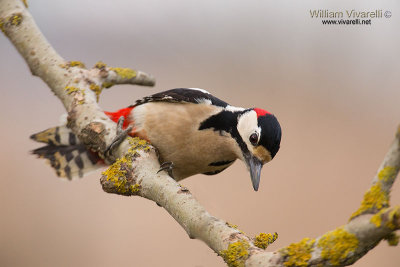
121	135
166	166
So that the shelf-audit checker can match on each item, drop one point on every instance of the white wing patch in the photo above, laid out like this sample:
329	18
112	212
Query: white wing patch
233	109
203	101
201	90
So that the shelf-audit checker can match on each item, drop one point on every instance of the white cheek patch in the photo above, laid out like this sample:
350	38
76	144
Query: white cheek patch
247	125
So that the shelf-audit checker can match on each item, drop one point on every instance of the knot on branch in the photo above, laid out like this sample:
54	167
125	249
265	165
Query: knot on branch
392	239
388	218
119	178
93	136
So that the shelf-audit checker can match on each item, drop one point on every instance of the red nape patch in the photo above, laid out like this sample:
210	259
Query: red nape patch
261	112
114	116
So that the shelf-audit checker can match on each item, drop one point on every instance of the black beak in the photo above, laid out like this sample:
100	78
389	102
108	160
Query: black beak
254	165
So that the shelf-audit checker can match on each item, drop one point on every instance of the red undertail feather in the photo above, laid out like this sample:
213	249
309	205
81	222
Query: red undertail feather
114	116
261	112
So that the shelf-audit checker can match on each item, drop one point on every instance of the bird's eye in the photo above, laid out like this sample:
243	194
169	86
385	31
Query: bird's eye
253	139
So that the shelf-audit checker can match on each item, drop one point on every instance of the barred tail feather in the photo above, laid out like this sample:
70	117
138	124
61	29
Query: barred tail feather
65	154
70	161
60	135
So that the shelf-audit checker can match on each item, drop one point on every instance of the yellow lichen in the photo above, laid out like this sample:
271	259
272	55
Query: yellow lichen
138	144
107	84
392	239
387	174
2	26
135	188
100	65
117	173
393	216
97	89
337	245
389	222
125	73
15	19
389	219
76	64
377	218
298	254
234	226
374	198
71	89
236	254
80	97
263	240
72	64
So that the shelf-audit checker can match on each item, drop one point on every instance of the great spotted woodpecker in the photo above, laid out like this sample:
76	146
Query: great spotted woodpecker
190	128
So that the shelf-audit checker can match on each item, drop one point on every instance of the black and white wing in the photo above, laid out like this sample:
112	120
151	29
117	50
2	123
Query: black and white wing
183	95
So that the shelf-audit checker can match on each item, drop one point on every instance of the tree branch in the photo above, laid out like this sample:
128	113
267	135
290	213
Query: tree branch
135	170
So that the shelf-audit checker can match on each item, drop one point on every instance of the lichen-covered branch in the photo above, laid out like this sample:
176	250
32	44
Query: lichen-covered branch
112	76
77	87
134	170
377	197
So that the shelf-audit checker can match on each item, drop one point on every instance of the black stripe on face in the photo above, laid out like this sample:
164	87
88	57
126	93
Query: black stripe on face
221	163
223	121
226	121
72	139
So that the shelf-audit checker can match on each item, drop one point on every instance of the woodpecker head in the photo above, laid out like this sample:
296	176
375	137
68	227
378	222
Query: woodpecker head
260	134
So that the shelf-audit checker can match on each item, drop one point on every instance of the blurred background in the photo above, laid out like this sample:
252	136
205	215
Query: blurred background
334	89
